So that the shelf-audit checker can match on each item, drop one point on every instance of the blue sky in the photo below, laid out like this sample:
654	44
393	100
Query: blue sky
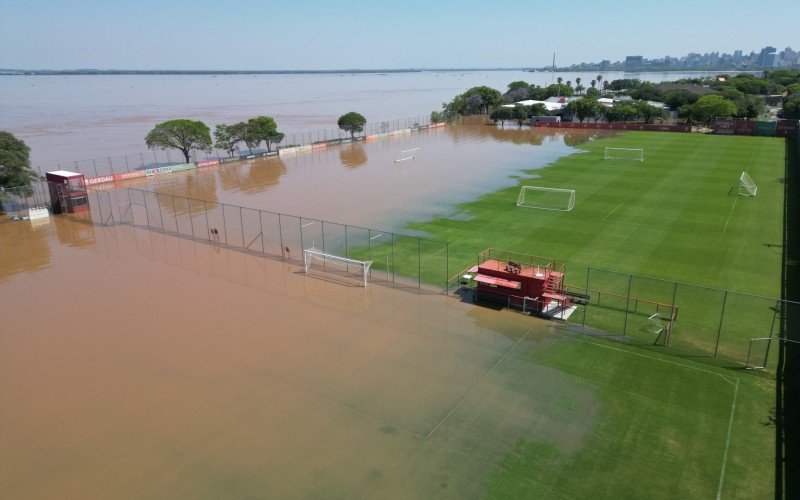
201	34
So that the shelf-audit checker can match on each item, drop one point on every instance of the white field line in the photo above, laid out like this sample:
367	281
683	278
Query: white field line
611	212
378	236
727	441
472	389
749	164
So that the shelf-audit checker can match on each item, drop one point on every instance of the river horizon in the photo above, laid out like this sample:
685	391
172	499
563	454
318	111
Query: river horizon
68	118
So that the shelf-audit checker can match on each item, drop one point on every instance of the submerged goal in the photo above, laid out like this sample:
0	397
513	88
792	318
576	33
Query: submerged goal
747	187
544	198
624	154
336	265
407	154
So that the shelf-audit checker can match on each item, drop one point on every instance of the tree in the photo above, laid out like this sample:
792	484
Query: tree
791	106
515	95
584	108
264	128
521	113
677	98
578	86
352	122
648	112
538	109
599	79
227	138
15	163
619	113
709	107
489	97
519	84
593	83
559	80
501	115
593	92
184	135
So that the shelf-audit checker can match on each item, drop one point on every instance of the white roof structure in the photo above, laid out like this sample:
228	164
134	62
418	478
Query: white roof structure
550	106
64	173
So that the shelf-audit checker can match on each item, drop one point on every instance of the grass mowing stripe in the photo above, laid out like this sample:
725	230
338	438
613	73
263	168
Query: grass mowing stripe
727	441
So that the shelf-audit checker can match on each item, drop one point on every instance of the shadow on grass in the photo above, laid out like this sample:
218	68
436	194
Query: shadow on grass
787	401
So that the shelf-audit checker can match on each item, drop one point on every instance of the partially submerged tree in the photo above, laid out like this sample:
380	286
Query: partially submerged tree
352	122
15	163
501	115
227	138
264	128
184	135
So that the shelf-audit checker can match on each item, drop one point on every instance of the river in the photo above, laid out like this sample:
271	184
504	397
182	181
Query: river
66	118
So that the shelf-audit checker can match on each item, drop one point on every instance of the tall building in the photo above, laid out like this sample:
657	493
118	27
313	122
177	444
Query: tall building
737	57
767	57
634	61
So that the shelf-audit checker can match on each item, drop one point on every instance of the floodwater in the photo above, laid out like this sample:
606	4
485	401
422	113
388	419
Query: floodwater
73	118
361	184
137	364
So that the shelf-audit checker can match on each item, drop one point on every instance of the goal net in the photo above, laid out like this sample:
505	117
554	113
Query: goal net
624	154
407	154
341	267
746	185
544	198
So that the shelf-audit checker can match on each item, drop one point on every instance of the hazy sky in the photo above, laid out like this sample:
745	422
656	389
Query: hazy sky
202	34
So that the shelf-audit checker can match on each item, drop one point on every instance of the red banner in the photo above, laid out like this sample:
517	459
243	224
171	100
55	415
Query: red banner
786	128
91	181
724	127
615	126
129	175
208	163
744	127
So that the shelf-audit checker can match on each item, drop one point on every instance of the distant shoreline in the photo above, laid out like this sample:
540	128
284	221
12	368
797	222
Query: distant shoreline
35	72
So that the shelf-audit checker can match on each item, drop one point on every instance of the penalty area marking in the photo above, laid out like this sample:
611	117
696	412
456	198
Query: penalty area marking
611	212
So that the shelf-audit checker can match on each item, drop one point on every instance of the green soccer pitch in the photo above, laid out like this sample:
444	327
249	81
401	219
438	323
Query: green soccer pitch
676	215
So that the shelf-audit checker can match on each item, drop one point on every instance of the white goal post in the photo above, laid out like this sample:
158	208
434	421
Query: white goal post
336	264
624	154
407	154
545	198
747	187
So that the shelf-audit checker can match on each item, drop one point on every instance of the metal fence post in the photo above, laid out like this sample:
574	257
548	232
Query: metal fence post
160	215
224	225
261	228
302	243
627	306
346	244
94	164
208	226
419	262
241	221
392	257
280	233
721	319
175	214
191	217
146	210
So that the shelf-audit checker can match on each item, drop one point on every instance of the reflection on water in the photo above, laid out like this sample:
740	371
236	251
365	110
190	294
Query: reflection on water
23	247
352	155
452	165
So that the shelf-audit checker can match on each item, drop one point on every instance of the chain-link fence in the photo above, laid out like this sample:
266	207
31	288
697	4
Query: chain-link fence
116	164
17	200
402	260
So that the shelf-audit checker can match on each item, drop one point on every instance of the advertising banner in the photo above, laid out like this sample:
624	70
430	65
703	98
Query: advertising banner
744	127
786	128
207	163
723	127
183	166
766	129
91	181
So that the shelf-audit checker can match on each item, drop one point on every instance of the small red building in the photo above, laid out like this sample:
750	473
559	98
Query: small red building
67	192
524	281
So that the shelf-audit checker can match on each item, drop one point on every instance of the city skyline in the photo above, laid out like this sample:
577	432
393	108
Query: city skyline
200	35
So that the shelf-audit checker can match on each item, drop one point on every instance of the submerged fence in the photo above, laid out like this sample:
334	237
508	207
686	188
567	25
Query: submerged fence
117	164
399	259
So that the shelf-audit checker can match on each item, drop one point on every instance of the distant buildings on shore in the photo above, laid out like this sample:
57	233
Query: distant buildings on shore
767	58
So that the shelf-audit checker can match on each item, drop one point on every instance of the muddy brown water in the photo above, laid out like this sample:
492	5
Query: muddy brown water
361	184
137	364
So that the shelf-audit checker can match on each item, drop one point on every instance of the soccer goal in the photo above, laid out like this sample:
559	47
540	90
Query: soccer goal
407	154
544	198
624	154
341	267
746	185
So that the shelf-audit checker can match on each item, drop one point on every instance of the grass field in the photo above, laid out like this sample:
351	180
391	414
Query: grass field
674	216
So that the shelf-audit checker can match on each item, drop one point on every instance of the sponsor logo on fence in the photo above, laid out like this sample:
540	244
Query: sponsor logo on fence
99	180
371	137
766	129
207	163
723	127
301	149
345	141
786	128
158	170
401	131
270	153
129	175
183	166
319	145
287	151
423	127
744	127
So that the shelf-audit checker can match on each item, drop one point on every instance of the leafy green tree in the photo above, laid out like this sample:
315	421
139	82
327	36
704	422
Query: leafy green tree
15	163
184	135
584	108
556	89
578	86
625	84
791	106
521	113
649	113
227	138
264	128
538	109
599	79
619	113
646	91
501	115
677	98
559	80
593	93
710	107
519	84
352	122
489	97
